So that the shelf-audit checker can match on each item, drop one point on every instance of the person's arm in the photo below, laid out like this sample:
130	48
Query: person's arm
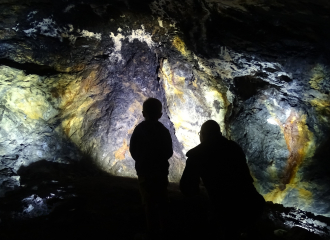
168	144
133	146
241	167
189	183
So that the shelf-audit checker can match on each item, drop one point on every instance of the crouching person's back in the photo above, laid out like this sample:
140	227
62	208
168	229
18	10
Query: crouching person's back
221	164
151	147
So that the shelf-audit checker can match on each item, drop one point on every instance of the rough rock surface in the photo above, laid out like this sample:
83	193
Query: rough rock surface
74	75
291	218
71	201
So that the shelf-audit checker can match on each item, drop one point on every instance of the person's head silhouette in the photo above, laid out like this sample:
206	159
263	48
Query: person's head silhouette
152	109
209	130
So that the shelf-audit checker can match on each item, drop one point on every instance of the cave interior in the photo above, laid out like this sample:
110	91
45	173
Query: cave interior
74	75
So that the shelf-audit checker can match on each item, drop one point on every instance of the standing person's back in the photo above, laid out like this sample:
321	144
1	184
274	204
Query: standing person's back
151	147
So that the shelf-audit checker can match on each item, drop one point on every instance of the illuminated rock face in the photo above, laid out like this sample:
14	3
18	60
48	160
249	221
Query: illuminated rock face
192	98
284	138
74	77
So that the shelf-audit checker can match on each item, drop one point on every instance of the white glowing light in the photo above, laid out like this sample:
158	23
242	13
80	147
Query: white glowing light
139	34
287	113
70	27
117	47
272	121
29	32
275	103
142	36
30	15
48	27
68	8
160	22
85	33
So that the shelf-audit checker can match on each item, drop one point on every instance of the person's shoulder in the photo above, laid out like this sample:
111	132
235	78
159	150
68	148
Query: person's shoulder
236	149
160	124
147	126
196	151
234	145
206	147
162	127
139	128
140	125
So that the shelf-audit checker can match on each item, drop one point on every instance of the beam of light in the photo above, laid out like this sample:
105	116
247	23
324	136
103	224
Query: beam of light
272	121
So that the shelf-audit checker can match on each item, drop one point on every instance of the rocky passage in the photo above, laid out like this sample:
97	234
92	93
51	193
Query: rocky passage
74	75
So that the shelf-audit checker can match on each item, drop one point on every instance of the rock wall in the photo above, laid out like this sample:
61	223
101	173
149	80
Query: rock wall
74	75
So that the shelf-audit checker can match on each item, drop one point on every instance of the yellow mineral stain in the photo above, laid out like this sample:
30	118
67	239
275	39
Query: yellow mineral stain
317	77
66	89
179	45
178	81
135	106
73	94
88	83
75	68
298	139
195	83
211	95
177	121
185	141
22	94
31	107
322	108
177	124
172	82
179	94
120	153
32	110
255	181
136	89
276	196
305	195
72	90
67	124
272	171
73	123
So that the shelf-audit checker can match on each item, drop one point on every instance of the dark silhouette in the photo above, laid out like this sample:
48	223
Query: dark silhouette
151	147
221	165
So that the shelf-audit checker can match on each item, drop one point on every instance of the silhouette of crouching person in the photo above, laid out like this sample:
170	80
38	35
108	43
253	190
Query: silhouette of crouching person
151	147
221	164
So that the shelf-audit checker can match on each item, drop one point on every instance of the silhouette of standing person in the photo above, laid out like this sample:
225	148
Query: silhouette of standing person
221	165
151	147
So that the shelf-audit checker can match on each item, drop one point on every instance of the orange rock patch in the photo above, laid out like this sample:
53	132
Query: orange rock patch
120	153
297	137
299	140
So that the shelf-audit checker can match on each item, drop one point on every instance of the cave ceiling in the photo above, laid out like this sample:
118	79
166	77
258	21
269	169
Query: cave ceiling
74	75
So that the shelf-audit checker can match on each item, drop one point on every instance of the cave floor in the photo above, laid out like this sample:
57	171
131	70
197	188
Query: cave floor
96	205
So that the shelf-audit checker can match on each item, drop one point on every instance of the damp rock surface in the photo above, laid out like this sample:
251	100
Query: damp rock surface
74	75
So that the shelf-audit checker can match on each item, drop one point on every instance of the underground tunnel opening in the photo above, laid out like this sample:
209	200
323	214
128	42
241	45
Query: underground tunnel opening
248	86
